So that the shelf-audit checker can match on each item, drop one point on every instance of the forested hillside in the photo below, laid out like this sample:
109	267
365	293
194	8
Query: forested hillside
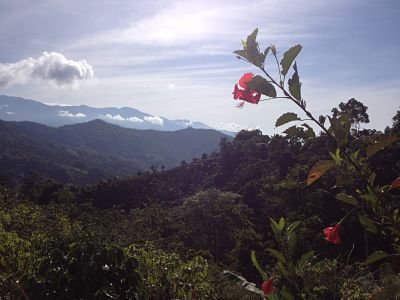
89	152
211	213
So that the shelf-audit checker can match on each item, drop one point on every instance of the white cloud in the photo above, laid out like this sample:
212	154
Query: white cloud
156	120
135	120
50	66
4	105
113	117
66	113
10	113
232	126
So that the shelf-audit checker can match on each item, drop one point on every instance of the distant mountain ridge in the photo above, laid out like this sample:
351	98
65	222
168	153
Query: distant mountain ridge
88	152
20	109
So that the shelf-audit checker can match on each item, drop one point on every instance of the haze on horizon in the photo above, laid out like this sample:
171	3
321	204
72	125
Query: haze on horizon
174	58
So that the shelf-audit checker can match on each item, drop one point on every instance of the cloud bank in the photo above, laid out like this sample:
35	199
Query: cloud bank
50	66
66	113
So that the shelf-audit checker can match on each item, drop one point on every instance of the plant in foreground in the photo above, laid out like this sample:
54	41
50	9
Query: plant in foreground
377	210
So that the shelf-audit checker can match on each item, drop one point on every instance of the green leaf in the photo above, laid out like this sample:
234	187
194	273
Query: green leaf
318	170
257	265
346	198
275	227
292	227
304	259
289	57
367	224
277	254
286	118
291	131
261	85
253	52
377	255
250	286
295	84
241	53
281	223
380	143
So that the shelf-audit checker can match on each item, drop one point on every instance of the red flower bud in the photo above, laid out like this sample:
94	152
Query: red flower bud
332	234
266	286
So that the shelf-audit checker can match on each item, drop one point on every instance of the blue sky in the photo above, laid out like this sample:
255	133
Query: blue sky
174	58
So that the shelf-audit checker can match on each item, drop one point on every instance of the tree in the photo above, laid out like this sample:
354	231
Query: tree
355	109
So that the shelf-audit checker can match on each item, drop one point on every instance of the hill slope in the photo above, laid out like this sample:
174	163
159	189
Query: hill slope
87	152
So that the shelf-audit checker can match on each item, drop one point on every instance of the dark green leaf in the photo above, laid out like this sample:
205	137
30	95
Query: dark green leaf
253	52
289	57
304	259
241	53
286	118
318	170
257	265
261	85
295	84
277	254
346	198
275	227
291	131
367	224
382	142
377	255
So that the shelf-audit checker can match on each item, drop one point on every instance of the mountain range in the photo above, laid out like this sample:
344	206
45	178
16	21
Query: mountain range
20	109
91	151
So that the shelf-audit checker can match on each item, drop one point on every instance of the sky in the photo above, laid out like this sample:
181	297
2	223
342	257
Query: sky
174	58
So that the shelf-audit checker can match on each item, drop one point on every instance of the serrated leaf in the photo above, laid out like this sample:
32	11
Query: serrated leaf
277	254
377	255
318	170
289	57
286	118
395	184
310	132
367	224
261	85
250	286
382	142
242	53
304	259
295	84
252	49
347	198
257	265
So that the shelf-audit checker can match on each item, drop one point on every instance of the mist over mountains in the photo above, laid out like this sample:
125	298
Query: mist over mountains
20	109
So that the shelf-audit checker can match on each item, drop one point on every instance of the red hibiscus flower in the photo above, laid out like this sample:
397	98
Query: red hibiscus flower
266	286
332	234
245	93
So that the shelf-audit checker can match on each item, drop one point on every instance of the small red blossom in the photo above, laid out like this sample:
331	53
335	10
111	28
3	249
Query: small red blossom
245	93
267	287
332	234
